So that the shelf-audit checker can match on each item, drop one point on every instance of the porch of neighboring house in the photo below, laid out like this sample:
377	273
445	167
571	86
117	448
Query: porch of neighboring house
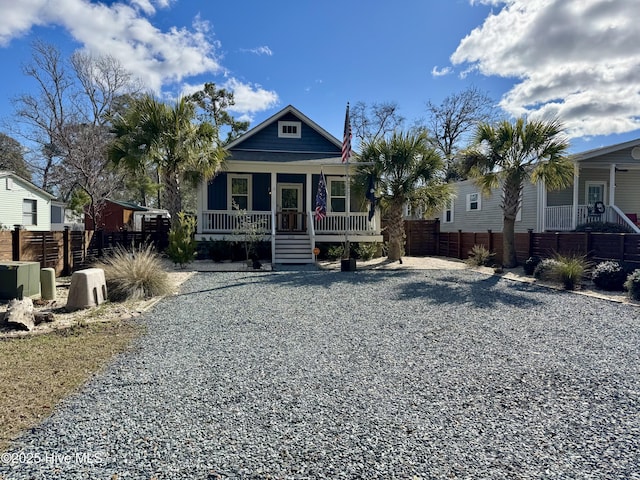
286	219
600	193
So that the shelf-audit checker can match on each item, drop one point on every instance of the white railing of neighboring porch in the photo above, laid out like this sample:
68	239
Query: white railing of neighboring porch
225	221
559	218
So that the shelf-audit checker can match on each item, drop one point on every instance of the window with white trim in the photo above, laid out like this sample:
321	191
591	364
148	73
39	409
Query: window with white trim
289	129
474	202
240	191
447	216
337	195
29	212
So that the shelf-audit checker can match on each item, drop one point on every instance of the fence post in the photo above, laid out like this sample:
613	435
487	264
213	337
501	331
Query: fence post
43	264
100	241
16	244
437	235
66	249
490	240
530	232
622	242
460	244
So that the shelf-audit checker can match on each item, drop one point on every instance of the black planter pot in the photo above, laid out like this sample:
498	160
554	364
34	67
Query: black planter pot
348	265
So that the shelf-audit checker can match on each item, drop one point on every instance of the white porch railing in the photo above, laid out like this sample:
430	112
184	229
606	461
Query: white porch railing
559	218
223	221
336	223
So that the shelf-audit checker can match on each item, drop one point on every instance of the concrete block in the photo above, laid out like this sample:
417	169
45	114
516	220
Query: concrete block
88	289
48	284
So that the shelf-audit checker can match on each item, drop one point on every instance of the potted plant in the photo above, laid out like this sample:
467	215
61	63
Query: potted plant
347	263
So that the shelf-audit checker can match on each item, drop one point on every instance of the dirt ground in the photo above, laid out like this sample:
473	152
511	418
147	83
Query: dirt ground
115	310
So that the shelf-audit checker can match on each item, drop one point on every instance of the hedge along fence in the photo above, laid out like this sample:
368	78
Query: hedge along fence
624	247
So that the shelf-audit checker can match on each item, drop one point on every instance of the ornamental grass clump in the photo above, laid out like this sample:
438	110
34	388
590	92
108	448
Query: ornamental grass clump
609	276
134	274
632	285
479	256
571	270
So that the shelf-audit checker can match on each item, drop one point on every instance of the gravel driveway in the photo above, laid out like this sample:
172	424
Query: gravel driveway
372	374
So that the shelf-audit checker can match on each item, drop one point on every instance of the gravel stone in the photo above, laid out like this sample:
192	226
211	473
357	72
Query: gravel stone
368	374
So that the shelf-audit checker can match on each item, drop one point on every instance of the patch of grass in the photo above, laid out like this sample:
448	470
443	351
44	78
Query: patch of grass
37	372
134	274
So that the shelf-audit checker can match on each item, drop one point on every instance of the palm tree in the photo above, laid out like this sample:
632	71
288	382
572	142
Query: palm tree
409	171
509	153
169	138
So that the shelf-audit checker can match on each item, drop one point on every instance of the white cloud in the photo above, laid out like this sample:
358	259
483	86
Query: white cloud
250	98
121	30
576	59
440	72
263	50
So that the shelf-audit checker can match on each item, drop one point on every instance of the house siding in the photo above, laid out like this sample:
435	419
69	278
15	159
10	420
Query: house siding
261	199
11	204
490	216
627	197
217	193
265	145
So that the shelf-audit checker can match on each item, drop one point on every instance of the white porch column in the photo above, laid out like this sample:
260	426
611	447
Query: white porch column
576	185
310	206
542	207
274	191
612	184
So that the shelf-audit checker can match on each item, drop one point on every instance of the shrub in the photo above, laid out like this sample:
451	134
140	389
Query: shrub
632	285
182	244
530	264
335	252
603	227
609	275
366	251
547	270
571	269
134	274
479	256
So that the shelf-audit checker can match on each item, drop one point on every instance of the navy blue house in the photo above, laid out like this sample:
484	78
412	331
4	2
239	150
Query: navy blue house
271	176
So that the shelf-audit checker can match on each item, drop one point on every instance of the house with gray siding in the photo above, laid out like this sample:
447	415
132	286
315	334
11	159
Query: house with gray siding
604	189
271	177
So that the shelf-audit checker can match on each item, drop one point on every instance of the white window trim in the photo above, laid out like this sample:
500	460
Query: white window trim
33	213
9	183
298	126
447	208
330	197
249	178
588	183
479	202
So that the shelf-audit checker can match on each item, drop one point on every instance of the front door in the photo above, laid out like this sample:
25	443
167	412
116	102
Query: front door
289	207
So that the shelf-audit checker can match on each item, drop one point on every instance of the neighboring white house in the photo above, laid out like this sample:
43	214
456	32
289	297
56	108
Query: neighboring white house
22	203
605	188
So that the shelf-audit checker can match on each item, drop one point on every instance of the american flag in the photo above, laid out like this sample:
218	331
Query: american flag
346	141
321	198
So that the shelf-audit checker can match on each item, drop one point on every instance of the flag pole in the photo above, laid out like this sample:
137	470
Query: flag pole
346	157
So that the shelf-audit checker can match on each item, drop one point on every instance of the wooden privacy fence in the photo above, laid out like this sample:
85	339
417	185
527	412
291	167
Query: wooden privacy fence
624	247
69	250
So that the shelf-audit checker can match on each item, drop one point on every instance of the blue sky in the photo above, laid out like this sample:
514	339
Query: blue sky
575	59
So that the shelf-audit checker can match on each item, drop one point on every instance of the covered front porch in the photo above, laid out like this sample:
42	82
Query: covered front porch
605	189
280	206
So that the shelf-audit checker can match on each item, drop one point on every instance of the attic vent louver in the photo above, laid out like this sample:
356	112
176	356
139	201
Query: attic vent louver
289	129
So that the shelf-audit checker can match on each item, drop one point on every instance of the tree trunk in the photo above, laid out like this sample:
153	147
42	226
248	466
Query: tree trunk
509	259
172	194
395	227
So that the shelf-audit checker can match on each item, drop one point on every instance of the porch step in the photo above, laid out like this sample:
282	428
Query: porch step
293	249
